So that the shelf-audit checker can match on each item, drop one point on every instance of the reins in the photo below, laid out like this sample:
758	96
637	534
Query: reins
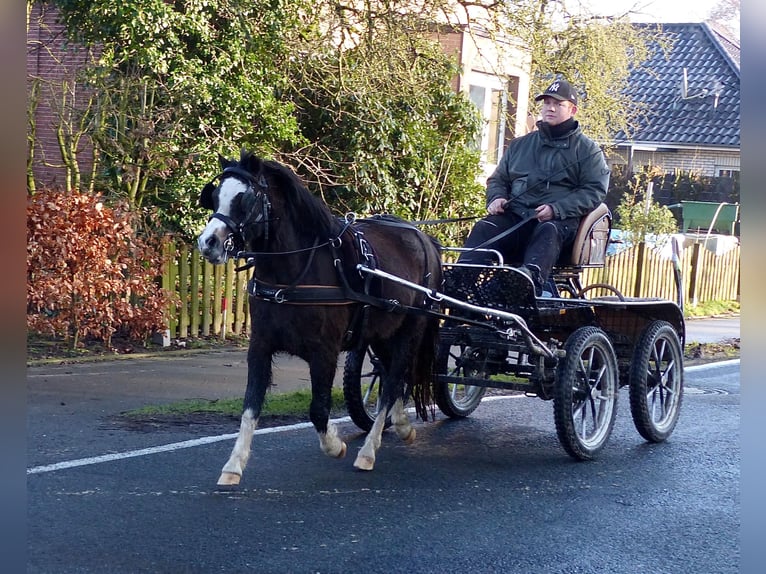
344	293
337	241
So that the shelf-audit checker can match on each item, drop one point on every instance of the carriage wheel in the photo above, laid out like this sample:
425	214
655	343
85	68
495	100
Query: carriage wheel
361	387
656	381
585	394
453	399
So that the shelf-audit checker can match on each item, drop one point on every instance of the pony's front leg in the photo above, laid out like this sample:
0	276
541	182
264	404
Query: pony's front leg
322	372
258	380
365	459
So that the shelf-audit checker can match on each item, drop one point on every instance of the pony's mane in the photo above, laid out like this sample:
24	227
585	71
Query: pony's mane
302	205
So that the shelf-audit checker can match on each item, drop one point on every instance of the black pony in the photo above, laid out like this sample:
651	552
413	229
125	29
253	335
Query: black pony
308	299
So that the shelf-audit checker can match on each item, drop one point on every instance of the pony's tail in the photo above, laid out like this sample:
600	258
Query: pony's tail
423	371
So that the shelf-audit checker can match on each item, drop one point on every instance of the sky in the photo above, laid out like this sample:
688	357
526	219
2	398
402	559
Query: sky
653	10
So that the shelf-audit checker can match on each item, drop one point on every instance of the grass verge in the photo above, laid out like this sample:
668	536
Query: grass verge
711	309
276	405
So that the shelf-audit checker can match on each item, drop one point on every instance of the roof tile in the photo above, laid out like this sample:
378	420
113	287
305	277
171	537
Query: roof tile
712	64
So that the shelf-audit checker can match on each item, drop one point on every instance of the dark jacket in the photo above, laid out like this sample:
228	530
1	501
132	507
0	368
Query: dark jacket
569	173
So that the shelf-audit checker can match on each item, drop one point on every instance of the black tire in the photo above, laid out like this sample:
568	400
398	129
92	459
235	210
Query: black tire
456	400
656	381
361	387
585	393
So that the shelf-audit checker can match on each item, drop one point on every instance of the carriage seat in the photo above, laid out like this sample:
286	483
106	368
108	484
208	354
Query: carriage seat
591	241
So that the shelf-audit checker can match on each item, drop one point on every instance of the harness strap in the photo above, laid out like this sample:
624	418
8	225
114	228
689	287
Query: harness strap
298	295
316	295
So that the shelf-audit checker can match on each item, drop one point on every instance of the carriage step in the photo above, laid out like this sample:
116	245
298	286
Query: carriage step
522	386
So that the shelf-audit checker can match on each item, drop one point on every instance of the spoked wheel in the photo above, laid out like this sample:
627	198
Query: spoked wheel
656	381
362	375
585	394
454	399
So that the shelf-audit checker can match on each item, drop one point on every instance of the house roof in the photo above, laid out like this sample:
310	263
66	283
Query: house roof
711	61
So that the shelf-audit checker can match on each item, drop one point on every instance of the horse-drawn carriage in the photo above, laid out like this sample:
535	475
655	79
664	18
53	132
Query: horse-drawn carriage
416	327
566	347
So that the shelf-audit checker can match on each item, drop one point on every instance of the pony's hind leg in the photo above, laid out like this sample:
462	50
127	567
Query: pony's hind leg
391	386
365	459
401	422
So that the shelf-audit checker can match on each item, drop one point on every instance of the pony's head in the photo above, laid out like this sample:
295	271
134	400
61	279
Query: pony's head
240	208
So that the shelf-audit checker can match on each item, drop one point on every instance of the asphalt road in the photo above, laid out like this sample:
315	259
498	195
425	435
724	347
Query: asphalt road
491	493
712	330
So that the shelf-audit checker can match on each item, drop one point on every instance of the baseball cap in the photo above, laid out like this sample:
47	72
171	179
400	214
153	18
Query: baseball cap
561	90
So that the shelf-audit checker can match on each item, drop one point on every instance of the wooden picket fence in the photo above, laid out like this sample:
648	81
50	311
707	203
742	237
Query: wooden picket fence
641	272
213	299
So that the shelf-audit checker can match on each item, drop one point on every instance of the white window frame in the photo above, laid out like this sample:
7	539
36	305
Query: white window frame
491	85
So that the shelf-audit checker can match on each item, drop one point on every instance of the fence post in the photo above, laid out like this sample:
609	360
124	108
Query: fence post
165	280
169	282
640	261
183	290
239	299
695	274
217	298
206	286
228	292
195	295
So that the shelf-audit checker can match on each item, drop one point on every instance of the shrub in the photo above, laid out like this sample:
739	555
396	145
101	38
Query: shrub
88	274
640	215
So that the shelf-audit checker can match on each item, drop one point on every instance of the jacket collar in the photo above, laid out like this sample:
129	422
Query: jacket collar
558	136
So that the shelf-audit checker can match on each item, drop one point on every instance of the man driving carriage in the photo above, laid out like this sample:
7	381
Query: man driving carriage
545	183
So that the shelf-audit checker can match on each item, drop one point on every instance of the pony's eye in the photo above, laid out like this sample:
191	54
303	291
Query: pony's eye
241	204
245	203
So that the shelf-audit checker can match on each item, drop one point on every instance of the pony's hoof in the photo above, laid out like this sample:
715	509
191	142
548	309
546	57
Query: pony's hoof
364	463
342	452
410	437
229	479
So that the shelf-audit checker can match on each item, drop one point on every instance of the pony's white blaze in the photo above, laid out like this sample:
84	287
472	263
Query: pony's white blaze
235	466
211	240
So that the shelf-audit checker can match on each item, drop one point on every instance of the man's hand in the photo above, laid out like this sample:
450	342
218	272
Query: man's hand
496	206
544	213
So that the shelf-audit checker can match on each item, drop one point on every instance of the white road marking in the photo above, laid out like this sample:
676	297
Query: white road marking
187	444
212	439
711	365
163	448
81	374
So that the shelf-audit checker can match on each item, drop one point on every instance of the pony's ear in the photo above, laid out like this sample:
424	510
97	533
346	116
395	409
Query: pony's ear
206	197
223	162
254	163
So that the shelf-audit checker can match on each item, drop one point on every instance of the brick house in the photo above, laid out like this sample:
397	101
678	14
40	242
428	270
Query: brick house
52	66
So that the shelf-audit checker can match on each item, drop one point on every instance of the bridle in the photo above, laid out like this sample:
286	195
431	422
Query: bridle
255	198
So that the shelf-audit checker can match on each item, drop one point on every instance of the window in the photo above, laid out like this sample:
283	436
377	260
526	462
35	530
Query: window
477	94
497	104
